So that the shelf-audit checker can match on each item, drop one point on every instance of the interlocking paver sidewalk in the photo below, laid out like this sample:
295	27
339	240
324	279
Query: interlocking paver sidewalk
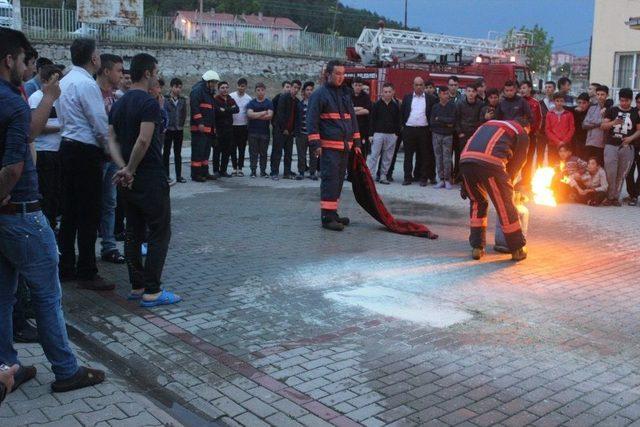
284	323
115	402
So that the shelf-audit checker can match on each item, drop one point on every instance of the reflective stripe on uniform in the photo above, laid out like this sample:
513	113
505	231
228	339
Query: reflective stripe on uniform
206	106
334	145
335	116
329	205
197	116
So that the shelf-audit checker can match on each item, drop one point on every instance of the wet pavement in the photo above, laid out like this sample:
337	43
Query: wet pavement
284	323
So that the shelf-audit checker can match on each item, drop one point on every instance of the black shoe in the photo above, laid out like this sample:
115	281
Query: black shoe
406	182
96	284
264	175
616	203
67	277
27	334
222	175
389	178
314	177
633	201
253	175
199	179
181	180
477	253
344	220
300	177
332	225
423	183
114	257
120	236
213	177
24	374
85	377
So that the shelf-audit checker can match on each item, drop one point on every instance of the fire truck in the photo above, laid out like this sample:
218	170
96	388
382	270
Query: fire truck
398	56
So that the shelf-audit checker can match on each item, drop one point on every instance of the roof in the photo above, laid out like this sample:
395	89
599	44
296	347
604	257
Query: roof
254	20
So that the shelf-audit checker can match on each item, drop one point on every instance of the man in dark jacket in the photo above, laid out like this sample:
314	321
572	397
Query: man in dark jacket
513	107
385	128
333	131
202	125
225	107
176	106
468	120
283	131
443	120
489	163
416	135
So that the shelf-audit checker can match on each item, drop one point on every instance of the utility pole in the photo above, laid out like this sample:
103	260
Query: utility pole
335	14
405	14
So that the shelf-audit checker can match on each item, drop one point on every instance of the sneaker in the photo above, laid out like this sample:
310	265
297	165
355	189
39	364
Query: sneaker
144	249
275	178
314	177
423	183
477	253
264	175
253	175
181	180
199	178
171	182
406	182
96	284
519	255
300	177
114	257
440	184
633	201
448	185
212	177
384	181
234	173
389	178
240	173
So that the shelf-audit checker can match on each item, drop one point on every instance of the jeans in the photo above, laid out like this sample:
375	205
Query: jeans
148	212
108	214
382	147
258	147
617	162
442	147
81	205
28	248
173	138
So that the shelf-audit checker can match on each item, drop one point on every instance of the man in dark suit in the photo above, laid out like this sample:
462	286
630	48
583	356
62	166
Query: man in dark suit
416	136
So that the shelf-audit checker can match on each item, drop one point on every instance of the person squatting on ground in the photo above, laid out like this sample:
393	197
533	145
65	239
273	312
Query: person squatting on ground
489	163
386	121
333	131
27	243
134	125
202	125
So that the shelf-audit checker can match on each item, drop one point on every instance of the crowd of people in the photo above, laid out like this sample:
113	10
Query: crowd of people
85	146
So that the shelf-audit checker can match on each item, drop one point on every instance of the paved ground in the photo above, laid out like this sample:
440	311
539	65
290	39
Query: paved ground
284	323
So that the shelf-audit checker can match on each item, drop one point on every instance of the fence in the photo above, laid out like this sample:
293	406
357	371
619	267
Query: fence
48	24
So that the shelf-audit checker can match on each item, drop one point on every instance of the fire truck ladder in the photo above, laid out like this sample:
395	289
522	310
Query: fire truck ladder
391	45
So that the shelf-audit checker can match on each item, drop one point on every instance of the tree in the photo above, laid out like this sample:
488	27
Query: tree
539	53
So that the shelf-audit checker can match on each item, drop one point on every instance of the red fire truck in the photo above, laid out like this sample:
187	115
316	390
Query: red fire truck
398	56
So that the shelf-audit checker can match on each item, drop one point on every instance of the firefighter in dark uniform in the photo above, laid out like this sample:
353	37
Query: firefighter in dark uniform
202	125
489	163
333	132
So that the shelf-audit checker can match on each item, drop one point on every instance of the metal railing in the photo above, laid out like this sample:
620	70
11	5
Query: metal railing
48	24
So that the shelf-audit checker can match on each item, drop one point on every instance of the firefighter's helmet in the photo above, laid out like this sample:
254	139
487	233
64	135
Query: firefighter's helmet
211	76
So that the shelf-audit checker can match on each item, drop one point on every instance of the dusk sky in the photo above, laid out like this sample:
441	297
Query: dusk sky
569	22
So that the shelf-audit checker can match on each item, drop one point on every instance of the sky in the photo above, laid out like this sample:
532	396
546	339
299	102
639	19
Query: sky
569	22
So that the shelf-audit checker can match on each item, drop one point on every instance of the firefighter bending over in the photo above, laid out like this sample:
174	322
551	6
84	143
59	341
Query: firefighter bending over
489	163
333	131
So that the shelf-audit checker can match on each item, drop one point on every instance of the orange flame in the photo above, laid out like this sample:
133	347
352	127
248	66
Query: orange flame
541	186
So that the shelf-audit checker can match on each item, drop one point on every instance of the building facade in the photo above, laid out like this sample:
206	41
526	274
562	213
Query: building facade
615	48
253	30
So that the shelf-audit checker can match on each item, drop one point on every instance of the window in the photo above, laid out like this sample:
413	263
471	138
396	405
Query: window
625	71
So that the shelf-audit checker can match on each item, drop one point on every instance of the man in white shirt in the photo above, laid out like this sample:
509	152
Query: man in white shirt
240	127
48	156
85	132
415	135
